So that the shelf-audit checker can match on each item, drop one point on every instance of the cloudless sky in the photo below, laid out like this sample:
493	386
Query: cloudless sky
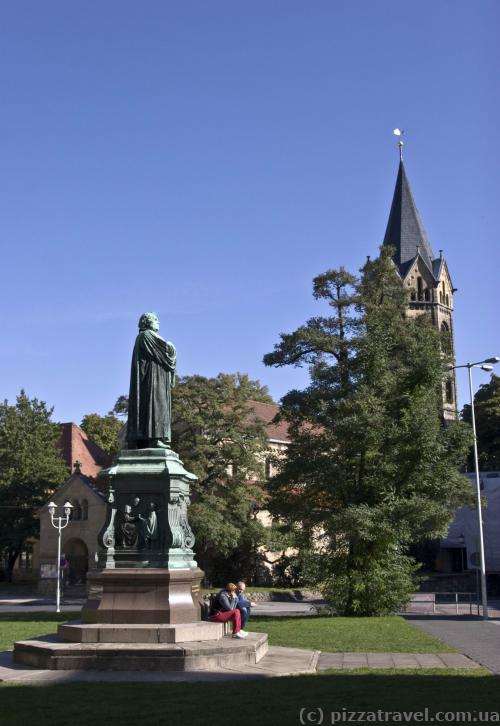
206	159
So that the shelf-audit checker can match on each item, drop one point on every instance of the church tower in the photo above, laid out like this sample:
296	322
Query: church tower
425	276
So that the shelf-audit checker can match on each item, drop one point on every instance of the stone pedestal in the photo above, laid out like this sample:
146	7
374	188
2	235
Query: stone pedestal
149	572
145	595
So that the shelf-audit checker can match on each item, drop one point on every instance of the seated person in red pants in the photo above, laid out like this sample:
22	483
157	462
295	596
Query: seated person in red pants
224	608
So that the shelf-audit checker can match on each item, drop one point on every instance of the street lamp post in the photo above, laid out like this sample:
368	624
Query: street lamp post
59	523
482	563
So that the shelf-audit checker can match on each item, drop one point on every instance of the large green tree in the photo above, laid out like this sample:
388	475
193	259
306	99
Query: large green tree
372	468
103	430
487	414
222	441
31	468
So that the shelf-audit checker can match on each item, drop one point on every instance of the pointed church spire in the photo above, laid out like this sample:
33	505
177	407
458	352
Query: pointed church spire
405	230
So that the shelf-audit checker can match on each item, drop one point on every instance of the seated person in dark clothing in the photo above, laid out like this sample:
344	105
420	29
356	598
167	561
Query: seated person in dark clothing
225	607
244	605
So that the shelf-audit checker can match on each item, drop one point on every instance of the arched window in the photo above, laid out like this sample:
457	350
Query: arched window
446	341
413	295
447	301
420	288
85	509
449	391
77	511
427	294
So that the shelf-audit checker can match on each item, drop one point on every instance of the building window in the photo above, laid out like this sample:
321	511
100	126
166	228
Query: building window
76	511
85	509
447	301
420	289
446	341
25	561
449	391
427	294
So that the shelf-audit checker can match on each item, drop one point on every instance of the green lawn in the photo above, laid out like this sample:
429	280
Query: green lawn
272	702
23	626
269	702
330	634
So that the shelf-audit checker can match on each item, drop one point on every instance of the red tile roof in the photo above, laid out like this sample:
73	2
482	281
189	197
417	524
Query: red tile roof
76	446
267	412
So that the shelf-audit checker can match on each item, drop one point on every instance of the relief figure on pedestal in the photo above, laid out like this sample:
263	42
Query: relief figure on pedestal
150	528
130	528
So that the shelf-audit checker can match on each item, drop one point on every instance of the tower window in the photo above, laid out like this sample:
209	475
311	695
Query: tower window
447	301
449	391
446	340
427	294
420	288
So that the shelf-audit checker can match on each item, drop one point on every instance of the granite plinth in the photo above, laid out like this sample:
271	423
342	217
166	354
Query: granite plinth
78	632
188	656
153	595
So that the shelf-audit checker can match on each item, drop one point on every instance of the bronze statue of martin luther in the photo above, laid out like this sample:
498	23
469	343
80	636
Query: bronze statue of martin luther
152	378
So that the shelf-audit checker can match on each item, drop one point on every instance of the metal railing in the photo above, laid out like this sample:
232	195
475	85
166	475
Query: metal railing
442	600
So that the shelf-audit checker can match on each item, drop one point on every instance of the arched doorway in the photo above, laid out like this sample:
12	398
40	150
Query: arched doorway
77	554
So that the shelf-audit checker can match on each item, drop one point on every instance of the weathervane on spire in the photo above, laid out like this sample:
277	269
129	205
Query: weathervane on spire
401	143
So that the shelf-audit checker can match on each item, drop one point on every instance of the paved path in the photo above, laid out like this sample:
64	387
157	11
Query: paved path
262	609
475	638
346	661
278	662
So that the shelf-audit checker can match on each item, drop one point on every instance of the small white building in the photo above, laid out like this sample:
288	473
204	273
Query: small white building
460	548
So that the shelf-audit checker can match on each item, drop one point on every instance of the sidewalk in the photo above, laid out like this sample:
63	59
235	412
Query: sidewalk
477	639
262	609
277	663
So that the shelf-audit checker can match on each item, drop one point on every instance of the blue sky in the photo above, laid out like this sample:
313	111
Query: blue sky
207	159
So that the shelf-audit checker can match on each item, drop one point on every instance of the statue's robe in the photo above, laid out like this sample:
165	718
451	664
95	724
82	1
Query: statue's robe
151	381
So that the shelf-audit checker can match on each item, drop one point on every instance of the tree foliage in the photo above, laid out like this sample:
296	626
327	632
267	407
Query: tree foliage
103	430
31	468
487	414
120	408
223	442
371	468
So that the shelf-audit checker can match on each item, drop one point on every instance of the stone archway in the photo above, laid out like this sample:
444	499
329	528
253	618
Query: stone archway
77	554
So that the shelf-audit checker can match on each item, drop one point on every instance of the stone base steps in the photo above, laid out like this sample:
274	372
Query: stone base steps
51	654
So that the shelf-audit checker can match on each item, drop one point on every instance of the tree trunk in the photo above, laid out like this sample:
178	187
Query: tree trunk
11	561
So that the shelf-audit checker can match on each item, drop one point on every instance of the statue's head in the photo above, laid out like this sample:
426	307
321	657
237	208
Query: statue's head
149	321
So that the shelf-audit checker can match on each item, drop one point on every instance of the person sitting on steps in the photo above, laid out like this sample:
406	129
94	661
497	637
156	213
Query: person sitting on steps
225	608
244	605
